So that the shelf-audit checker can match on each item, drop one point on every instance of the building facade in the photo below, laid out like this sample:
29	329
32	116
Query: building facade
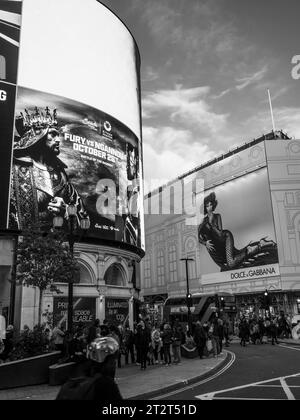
72	138
256	187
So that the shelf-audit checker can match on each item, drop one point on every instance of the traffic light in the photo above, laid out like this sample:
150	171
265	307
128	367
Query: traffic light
266	300
222	302
189	300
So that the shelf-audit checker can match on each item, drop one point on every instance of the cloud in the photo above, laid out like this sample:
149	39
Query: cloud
185	106
149	74
247	80
287	119
169	152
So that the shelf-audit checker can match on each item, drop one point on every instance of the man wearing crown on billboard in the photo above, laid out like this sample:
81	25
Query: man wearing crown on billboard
40	185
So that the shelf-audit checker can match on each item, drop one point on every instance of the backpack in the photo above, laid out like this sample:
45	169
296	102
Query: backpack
81	388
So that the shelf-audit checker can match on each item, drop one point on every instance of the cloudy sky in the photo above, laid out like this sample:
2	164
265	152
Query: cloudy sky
206	68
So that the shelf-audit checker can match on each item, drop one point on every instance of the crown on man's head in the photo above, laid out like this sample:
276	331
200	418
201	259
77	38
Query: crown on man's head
38	120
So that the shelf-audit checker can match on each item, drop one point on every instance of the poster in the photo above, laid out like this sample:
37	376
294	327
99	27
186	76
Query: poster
116	311
84	310
10	23
66	152
236	234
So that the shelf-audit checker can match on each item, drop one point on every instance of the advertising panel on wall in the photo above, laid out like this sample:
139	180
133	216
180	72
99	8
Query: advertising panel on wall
10	22
77	127
84	310
116	311
237	234
68	153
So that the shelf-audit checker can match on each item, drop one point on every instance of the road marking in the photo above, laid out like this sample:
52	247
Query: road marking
252	399
288	347
226	367
211	395
287	390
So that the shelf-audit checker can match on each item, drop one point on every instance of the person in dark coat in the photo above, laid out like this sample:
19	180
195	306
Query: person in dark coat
143	339
167	341
273	329
94	331
220	334
129	344
243	331
200	338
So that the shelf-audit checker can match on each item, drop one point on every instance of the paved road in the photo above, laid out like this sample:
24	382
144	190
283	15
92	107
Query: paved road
255	372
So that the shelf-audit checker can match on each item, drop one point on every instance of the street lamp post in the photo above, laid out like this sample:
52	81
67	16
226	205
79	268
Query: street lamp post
188	295
73	227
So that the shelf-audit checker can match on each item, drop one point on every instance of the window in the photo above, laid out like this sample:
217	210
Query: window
173	263
84	276
147	271
160	268
114	275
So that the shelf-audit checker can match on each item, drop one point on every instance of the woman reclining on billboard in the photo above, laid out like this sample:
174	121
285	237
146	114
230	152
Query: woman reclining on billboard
220	243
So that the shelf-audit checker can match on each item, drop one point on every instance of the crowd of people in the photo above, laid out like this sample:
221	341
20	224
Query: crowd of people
146	344
258	330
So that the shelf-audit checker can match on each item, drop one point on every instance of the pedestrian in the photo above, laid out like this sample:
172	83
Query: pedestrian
115	333
143	339
129	344
57	338
97	381
94	331
226	332
156	342
261	329
176	342
273	328
8	342
200	338
167	341
214	336
220	334
243	331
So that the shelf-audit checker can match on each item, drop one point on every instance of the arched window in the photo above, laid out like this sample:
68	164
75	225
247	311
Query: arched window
84	275
114	275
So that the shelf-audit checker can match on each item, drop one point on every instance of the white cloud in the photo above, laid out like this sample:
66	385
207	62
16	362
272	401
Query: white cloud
149	74
169	153
185	106
247	80
288	119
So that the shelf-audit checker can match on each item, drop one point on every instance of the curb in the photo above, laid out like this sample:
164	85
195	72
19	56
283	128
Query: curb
177	386
296	343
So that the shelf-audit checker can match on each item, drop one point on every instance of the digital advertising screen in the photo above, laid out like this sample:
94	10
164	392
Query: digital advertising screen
74	129
66	152
236	234
10	25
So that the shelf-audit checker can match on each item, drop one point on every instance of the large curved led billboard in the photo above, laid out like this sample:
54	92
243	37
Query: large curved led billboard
77	136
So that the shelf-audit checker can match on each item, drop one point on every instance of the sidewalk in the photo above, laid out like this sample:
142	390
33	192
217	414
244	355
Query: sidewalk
134	383
289	341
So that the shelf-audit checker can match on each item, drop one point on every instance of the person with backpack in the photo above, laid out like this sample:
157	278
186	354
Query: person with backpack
97	381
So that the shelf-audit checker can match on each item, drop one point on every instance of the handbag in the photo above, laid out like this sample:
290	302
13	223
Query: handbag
209	345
